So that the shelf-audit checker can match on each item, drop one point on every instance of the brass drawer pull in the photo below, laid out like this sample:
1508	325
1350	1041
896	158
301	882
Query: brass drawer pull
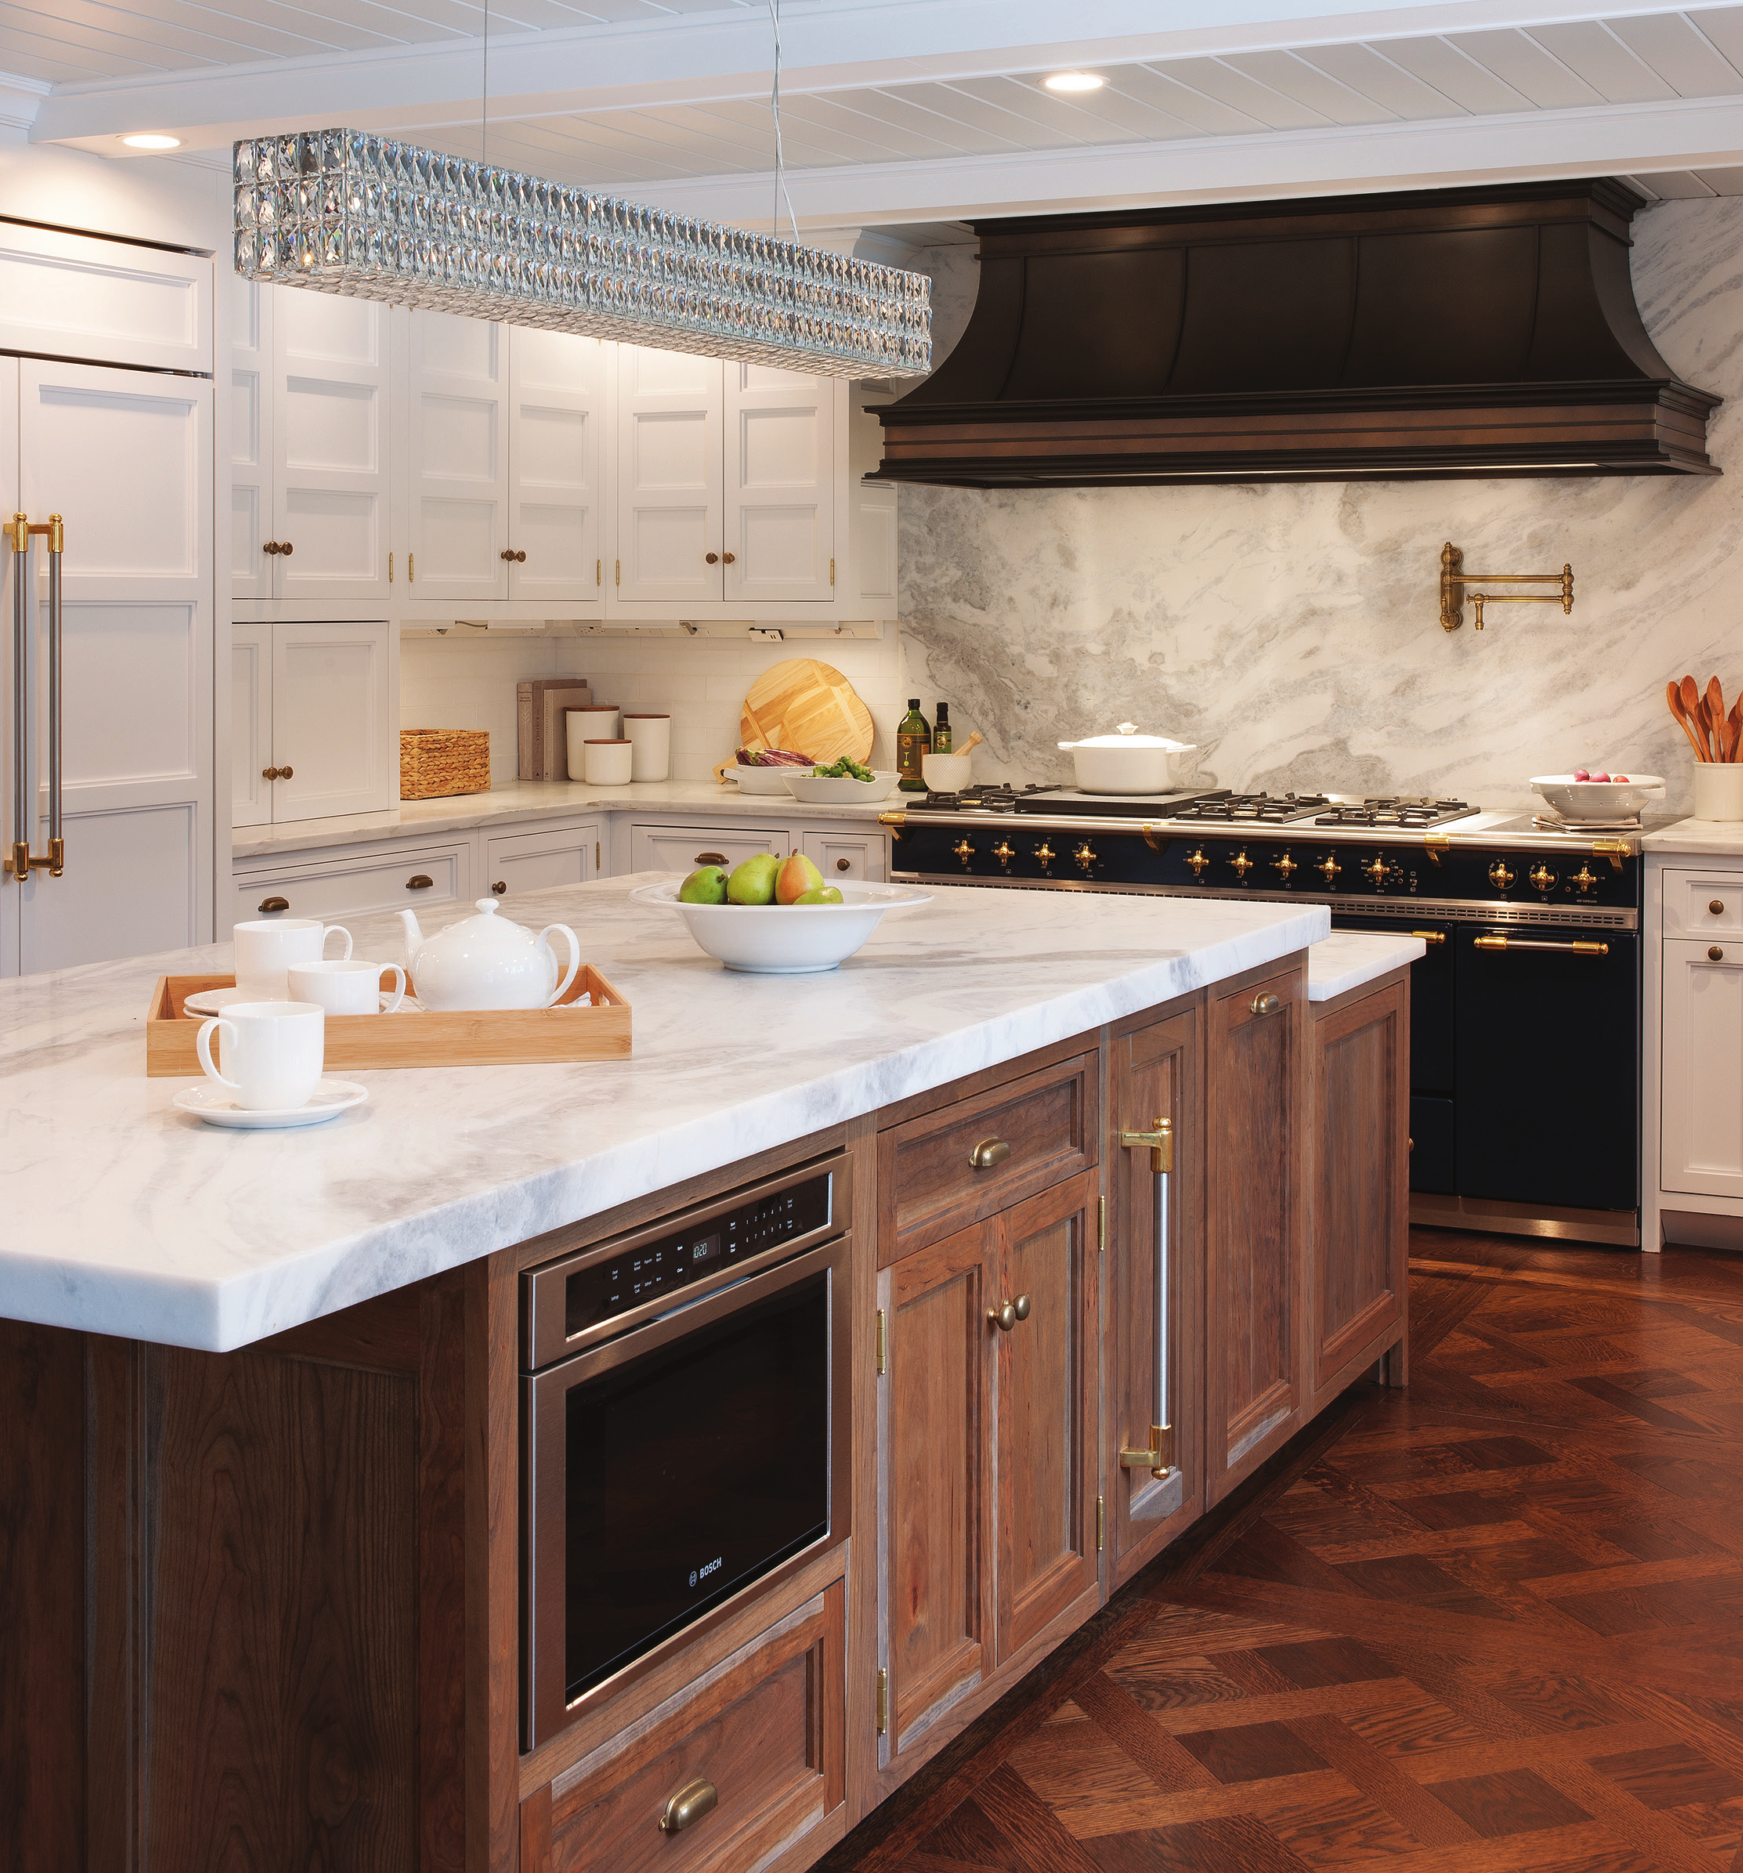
844	864
1160	1140
1006	1315
689	1805
988	1152
274	903
419	881
1717	907
500	887
1430	937
1715	954
1265	1004
710	858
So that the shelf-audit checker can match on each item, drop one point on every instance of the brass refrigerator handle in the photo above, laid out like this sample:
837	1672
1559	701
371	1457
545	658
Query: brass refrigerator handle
20	861
1157	1456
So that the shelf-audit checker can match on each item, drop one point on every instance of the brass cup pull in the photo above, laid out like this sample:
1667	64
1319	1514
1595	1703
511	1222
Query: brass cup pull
689	1805
988	1152
419	881
274	903
1717	907
710	858
500	887
1265	1004
1715	954
1006	1315
712	558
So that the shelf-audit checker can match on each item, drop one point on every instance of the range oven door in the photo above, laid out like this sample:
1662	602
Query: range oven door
670	1469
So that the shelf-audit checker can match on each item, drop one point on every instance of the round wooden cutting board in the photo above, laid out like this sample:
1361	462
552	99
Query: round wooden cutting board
809	707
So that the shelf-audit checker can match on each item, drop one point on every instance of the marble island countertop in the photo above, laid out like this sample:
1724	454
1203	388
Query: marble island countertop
125	1217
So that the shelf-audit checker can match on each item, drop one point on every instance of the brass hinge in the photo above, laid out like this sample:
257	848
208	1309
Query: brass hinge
390	569
1101	1224
619	565
1157	1456
883	1702
596	858
883	1344
1615	850
599	572
1101	1523
832	572
411	568
1160	1139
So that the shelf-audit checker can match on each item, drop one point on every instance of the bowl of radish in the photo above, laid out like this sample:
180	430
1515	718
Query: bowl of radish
1593	794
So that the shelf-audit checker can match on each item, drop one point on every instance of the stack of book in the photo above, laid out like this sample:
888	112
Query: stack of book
543	738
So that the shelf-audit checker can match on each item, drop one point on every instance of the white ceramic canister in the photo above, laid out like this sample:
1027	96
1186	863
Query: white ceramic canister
1719	790
580	726
650	741
609	763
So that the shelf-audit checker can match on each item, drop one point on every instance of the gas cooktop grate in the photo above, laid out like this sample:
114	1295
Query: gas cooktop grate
1411	813
994	797
1252	809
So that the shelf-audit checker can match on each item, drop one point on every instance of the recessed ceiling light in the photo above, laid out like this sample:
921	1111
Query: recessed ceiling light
152	143
1073	81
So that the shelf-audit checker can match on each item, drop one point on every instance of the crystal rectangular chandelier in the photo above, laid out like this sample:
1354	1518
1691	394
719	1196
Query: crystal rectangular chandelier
345	212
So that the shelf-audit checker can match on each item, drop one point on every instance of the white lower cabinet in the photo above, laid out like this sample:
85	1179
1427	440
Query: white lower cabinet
1701	1106
845	856
340	882
683	848
541	861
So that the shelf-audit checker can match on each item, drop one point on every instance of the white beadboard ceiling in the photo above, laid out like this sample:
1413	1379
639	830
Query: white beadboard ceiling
902	111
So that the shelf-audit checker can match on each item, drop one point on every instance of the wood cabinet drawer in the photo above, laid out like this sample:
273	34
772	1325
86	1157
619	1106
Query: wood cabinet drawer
1696	903
766	1729
350	890
930	1182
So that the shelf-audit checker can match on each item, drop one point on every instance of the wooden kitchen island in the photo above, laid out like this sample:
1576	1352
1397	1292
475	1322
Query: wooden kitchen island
261	1488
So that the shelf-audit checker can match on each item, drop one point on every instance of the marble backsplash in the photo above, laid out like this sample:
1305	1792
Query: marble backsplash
1292	631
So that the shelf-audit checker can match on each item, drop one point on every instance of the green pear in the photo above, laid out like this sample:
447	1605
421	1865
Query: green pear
707	886
796	876
753	882
824	894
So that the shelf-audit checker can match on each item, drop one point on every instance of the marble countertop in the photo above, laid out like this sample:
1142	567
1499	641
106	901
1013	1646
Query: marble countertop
125	1217
1348	959
533	800
1715	838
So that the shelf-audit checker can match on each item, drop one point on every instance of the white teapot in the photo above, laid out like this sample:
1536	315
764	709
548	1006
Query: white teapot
487	962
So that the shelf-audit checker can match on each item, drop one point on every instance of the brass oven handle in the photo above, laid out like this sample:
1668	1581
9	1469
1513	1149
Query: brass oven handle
1430	937
988	1152
1265	1004
1006	1315
689	1805
274	903
1576	948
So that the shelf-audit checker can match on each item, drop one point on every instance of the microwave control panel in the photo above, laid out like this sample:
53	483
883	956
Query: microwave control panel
652	1268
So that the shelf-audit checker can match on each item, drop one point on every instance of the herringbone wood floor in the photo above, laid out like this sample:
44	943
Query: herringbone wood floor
1493	1625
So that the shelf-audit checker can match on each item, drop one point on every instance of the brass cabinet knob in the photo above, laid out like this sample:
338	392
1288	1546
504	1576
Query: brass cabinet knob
1285	867
963	850
1265	1004
710	858
1045	854
506	553
284	546
1006	1315
1329	868
712	558
1198	862
269	546
689	1805
1499	876
1717	907
286	773
419	881
729	558
1376	871
844	864
988	1152
1242	865
269	904
500	887
1003	852
1542	878
1715	954
1084	855
269	773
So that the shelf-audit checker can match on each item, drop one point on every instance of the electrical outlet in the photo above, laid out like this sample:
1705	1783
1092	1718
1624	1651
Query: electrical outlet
761	635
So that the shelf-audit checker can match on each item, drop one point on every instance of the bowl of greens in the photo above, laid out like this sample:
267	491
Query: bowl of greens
840	783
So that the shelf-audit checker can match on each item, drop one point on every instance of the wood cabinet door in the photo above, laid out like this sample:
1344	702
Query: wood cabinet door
333	694
1154	1343
935	1499
1044	1405
1358	1205
1701	1110
556	415
670	514
780	483
1253	1388
541	861
458	458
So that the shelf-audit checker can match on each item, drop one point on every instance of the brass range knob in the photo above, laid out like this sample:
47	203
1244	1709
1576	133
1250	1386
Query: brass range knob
1045	855
1006	1315
1329	868
1242	865
1499	876
1003	852
1376	872
1085	856
1582	878
1198	862
1542	878
1285	867
963	850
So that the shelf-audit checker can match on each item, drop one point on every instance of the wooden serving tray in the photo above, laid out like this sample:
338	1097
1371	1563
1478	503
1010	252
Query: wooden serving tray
494	1037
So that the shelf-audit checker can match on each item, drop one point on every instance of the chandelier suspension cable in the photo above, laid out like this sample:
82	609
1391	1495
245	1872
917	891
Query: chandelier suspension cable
775	111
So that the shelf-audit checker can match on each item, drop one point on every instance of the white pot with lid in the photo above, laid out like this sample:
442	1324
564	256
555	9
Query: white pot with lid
1127	762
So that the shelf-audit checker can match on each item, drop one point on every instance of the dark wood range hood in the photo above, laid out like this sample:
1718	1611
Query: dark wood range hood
1437	334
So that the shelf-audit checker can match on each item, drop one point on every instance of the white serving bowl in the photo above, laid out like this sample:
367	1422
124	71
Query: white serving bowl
762	779
816	790
1597	799
785	939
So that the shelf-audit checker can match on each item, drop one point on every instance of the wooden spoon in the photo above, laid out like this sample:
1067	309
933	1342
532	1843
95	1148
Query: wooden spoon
1734	730
1673	696
1716	716
1691	708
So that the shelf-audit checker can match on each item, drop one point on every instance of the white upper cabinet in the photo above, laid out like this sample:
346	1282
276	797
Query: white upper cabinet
671	507
329	447
457	465
556	466
251	407
780	484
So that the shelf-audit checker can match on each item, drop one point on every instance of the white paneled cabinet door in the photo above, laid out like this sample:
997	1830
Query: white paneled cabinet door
332	719
458	459
251	404
780	484
127	458
1702	1099
670	510
329	446
250	724
557	405
10	500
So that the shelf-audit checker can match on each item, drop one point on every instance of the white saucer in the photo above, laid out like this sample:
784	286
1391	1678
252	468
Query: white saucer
213	1001
214	1105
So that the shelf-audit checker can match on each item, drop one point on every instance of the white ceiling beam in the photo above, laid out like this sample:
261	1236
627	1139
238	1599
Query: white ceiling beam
1694	133
829	45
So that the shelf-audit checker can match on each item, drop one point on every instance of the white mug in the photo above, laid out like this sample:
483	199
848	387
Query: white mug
274	1052
344	987
266	948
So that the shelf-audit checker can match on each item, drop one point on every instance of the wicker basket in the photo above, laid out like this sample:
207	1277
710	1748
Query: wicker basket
438	761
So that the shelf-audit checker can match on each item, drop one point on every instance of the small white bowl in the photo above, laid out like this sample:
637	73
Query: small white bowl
1597	799
946	773
817	790
785	939
762	779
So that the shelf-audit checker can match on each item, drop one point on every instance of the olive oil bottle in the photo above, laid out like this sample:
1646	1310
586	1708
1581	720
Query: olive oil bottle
913	744
942	738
